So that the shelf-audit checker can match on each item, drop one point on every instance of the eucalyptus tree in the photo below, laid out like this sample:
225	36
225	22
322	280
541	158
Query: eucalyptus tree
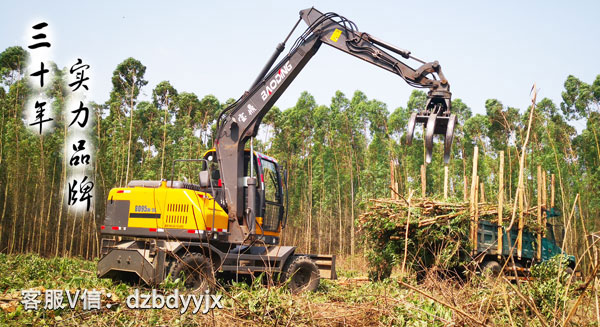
127	81
164	97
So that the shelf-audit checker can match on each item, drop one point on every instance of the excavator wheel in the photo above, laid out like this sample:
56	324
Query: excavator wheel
196	271
303	274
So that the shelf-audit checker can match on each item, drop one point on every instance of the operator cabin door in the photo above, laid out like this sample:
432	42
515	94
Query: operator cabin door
273	199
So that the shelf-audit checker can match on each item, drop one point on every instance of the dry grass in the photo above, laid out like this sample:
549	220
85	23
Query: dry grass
350	301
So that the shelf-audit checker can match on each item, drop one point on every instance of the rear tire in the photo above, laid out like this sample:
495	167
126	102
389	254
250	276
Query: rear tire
491	268
196	271
303	274
569	271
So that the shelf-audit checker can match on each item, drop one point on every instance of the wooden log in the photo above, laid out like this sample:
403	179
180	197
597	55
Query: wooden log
423	181
521	225
445	182
545	191
482	192
392	181
427	222
520	188
539	212
476	223
473	196
500	203
552	191
406	234
544	203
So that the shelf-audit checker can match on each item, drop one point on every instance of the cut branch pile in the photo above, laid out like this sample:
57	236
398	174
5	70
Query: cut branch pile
426	212
438	232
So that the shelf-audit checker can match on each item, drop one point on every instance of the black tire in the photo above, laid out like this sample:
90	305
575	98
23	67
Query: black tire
303	274
491	268
569	271
196	270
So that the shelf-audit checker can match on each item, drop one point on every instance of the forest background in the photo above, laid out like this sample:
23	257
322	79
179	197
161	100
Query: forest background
338	155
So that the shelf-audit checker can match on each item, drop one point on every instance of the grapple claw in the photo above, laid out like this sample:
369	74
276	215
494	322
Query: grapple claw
437	119
431	122
449	137
412	121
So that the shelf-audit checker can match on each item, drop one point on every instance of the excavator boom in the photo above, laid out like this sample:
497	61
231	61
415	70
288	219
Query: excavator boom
240	121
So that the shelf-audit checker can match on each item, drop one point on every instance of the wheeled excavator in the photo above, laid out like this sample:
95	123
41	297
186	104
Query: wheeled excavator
232	220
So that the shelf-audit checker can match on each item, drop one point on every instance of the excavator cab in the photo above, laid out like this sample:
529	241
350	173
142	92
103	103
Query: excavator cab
269	198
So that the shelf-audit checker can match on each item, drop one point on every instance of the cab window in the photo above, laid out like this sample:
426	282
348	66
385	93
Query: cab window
270	182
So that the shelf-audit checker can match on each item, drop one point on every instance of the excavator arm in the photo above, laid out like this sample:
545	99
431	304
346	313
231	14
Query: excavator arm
240	121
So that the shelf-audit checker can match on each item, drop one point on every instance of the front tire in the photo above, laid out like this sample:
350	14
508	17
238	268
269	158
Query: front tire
303	274
196	271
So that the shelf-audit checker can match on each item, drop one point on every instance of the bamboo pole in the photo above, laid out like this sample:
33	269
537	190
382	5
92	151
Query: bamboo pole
545	191
568	224
539	212
500	202
585	232
445	182
521	224
552	191
423	181
545	202
520	187
473	196
476	224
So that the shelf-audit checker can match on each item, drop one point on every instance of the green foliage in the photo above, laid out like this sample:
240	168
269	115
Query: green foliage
383	226
260	304
418	312
551	285
127	81
168	284
25	271
12	64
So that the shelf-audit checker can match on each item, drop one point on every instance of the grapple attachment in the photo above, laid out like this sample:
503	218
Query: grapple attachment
437	119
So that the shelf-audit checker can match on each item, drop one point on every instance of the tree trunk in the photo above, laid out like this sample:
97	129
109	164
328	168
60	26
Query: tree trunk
130	127
162	160
339	189
351	206
309	206
47	224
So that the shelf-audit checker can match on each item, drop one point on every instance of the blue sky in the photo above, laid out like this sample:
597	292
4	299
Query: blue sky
488	49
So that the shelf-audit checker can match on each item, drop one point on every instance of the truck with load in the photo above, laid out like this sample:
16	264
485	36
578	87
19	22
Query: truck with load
455	239
493	257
